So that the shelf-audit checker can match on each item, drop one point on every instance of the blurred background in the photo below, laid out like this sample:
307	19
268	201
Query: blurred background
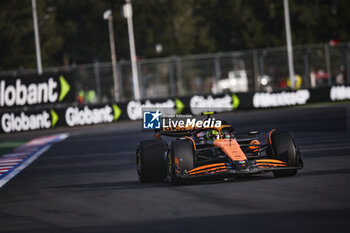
183	47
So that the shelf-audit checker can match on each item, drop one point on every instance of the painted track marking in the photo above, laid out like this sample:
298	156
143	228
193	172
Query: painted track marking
13	163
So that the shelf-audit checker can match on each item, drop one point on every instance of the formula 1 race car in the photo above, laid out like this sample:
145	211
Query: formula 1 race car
215	151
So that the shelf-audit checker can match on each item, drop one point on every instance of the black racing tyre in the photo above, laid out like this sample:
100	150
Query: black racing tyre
284	149
183	152
150	161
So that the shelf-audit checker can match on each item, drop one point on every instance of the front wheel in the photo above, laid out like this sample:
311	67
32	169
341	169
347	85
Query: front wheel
181	160
284	149
150	162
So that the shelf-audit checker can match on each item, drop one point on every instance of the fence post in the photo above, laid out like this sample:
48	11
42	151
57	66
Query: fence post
97	80
328	64
347	60
180	91
142	85
256	70
171	76
307	68
217	67
262	62
120	82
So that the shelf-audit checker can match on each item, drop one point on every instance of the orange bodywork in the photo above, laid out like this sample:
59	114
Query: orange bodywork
254	148
269	138
177	165
194	144
267	163
231	148
211	168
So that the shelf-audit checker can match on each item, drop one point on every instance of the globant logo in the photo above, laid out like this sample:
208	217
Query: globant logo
134	108
88	116
201	104
33	93
265	100
340	93
12	123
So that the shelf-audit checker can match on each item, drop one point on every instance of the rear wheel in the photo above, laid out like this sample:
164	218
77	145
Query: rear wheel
181	160
150	162
285	150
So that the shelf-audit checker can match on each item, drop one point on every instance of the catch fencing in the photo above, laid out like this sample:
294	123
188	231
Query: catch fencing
263	70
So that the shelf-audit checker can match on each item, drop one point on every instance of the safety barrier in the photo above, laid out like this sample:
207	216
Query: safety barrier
39	104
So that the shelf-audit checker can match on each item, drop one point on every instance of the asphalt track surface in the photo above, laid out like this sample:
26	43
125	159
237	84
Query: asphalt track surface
88	183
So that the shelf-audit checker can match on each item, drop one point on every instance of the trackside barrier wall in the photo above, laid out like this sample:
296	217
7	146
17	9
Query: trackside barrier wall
63	114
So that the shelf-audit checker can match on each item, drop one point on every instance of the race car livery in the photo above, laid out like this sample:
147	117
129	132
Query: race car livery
200	153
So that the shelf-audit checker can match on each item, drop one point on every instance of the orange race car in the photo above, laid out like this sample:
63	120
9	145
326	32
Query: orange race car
215	151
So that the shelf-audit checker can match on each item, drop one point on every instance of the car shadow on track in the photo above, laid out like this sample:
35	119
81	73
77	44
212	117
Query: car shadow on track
218	180
135	184
132	184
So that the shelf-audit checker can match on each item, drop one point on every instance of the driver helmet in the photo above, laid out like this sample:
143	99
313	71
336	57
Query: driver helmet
212	134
